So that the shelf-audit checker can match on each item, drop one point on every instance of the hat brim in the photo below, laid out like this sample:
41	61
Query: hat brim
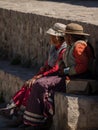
54	33
77	33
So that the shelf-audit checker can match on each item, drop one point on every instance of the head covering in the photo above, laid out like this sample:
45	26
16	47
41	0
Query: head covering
58	29
74	28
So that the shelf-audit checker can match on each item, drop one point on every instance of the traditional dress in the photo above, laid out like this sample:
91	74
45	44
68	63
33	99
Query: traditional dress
50	68
78	57
40	104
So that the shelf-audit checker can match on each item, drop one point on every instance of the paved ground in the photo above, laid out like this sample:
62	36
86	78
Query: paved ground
4	124
78	10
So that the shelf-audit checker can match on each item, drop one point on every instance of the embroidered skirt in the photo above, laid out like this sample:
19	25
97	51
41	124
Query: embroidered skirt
40	103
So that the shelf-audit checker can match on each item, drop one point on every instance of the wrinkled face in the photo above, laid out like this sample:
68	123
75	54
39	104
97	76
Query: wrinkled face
54	40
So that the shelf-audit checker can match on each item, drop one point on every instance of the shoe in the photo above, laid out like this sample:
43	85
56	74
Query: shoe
8	111
8	107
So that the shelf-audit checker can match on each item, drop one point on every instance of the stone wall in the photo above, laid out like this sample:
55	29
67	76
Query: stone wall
12	78
23	35
75	112
9	84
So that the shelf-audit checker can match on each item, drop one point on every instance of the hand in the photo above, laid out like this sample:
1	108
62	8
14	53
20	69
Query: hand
67	80
39	76
66	71
30	82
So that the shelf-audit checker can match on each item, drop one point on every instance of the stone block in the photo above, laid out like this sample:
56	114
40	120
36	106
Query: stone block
12	78
82	86
75	112
94	86
9	84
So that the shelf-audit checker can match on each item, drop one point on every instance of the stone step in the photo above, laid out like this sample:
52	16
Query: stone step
82	86
75	112
12	78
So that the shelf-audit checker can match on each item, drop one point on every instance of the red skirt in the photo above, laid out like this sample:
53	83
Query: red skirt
21	97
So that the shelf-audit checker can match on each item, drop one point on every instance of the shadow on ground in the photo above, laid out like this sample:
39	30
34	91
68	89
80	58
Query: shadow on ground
86	3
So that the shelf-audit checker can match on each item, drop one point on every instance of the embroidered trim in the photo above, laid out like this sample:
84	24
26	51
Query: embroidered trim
33	119
33	115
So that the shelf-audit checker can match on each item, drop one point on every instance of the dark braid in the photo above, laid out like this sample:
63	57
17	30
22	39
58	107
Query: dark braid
61	39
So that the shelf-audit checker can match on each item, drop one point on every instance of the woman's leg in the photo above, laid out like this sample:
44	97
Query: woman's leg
21	97
40	102
17	104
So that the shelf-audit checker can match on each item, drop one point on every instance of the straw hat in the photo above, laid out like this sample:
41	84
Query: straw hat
58	29
74	28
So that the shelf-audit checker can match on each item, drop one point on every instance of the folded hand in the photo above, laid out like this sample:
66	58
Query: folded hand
31	81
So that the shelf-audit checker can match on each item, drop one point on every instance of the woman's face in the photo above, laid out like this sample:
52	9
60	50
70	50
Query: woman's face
54	40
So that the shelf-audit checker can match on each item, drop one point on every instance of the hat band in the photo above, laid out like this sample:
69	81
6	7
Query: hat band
74	31
57	30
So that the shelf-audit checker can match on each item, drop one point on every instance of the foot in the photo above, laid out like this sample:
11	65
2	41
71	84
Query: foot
8	107
8	111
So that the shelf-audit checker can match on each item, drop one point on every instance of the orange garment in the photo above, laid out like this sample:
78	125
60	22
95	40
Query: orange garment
77	57
81	57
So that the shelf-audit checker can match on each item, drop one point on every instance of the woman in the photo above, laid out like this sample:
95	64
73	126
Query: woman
78	54
51	67
40	106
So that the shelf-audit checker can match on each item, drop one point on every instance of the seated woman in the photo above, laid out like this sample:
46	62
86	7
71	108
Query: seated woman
79	54
40	105
58	46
